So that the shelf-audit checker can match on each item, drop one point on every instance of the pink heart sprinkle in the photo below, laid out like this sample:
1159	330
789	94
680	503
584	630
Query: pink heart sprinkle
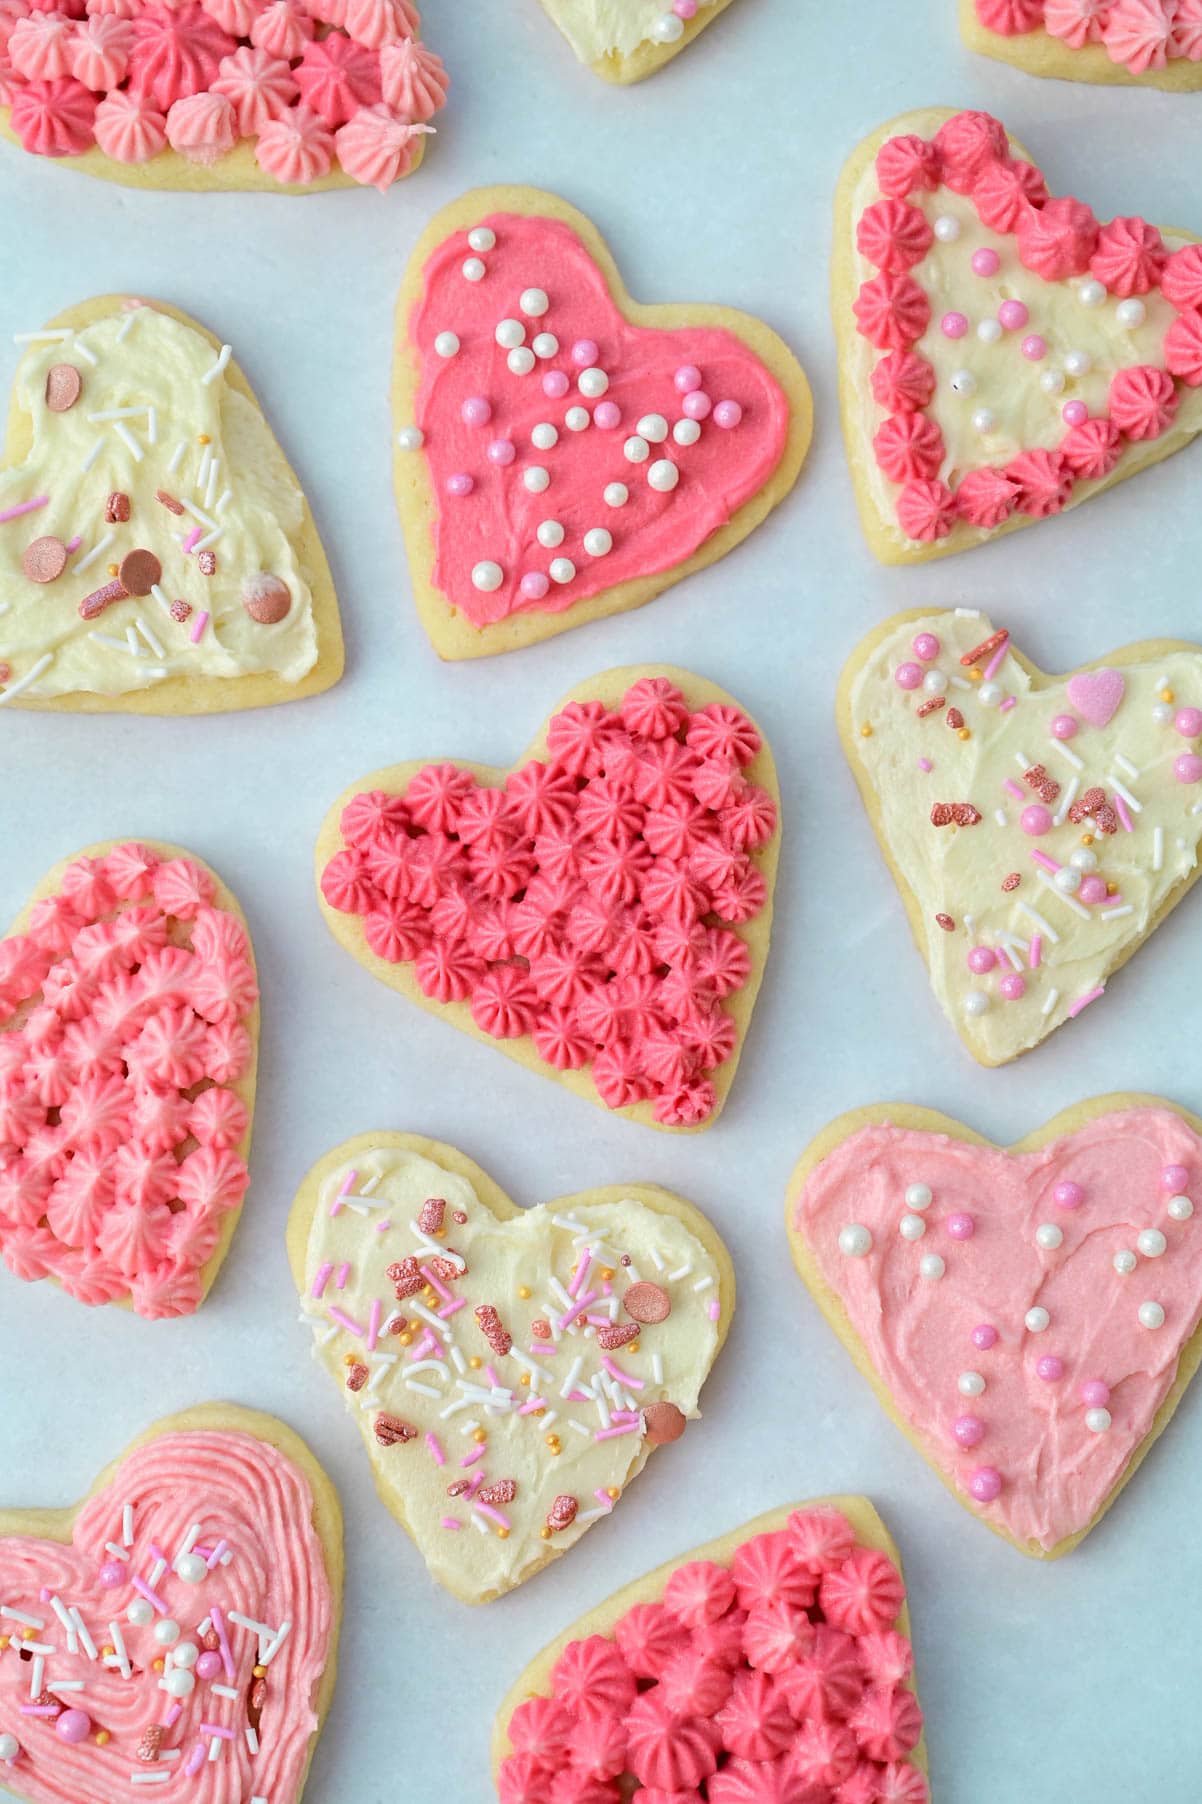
1096	695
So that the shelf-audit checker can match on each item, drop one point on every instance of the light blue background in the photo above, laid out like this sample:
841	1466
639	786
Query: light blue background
713	182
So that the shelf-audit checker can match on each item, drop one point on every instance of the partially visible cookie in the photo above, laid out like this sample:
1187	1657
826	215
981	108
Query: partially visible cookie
1143	43
630	40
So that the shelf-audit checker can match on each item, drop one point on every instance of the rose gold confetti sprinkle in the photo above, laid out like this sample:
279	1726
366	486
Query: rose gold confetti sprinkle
1012	881
929	707
504	1491
99	599
117	509
206	562
662	1423
946	922
617	1334
357	1376
954	718
562	1513
406	1276
646	1302
44	560
493	1330
388	1430
64	385
265	598
140	571
429	1216
986	646
180	610
169	501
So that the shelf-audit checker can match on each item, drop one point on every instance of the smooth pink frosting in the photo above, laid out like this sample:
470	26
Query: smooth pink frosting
1055	1471
497	521
240	1493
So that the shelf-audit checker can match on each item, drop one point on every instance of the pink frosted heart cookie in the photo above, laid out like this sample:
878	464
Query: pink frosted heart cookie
179	1627
129	1029
289	96
772	1666
1039	829
1145	43
562	451
1029	1318
1003	354
600	912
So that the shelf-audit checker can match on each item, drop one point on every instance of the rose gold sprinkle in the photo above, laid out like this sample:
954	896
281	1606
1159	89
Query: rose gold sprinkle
986	646
1012	881
946	922
64	385
116	509
44	560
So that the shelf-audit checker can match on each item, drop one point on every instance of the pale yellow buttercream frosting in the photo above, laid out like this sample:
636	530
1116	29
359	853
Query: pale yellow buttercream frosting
599	28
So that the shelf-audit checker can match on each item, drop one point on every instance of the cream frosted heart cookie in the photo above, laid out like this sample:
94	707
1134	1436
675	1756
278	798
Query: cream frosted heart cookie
157	554
179	1627
1028	1317
772	1666
1002	354
510	1369
1147	43
285	96
600	912
626	40
1039	828
129	1027
564	452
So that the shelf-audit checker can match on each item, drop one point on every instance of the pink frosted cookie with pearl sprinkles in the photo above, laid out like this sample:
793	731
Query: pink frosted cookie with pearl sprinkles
1003	353
1028	1317
599	912
1039	828
1144	43
179	1626
281	96
631	40
772	1666
511	1370
129	1026
563	452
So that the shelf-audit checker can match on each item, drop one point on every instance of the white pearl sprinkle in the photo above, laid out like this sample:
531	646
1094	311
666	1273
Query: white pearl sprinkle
970	1384
636	450
963	382
186	1653
1091	294
544	436
10	1747
686	432
984	420
544	344
989	695
473	270
1151	1243
140	1613
1125	1262
482	238
918	1196
1180	1208
592	383
536	479
521	361
911	1227
179	1682
1131	313
947	228
191	1569
663	475
577	419
931	1266
1083	858
487	576
1067	880
1037	1319
446	344
934	682
598	542
1097	1420
616	494
1078	363
166	1631
1052	382
410	438
550	534
534	302
976	1003
1048	1236
989	331
1161	712
510	333
562	569
654	428
667	29
854	1240
1151	1315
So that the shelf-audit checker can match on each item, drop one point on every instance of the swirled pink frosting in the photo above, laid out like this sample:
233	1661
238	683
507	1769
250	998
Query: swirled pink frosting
203	127
296	148
375	147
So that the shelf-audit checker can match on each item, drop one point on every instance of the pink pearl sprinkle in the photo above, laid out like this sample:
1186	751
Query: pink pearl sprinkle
1074	413
1068	1195
585	352
476	411
968	1430
534	585
687	378
981	959
727	414
112	1573
985	262
1189	722
1188	768
1064	726
1095	1393
1035	820
1013	315
1013	986
926	646
696	405
74	1725
1092	891
555	385
985	1484
961	1226
461	484
954	325
208	1666
1174	1178
907	676
607	415
1034	348
501	452
1049	1368
984	1336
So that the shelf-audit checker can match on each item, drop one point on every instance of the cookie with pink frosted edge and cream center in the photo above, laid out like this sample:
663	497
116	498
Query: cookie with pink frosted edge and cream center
129	1029
180	1624
627	40
1039	828
1003	353
772	1666
1145	43
293	96
1029	1317
563	452
600	912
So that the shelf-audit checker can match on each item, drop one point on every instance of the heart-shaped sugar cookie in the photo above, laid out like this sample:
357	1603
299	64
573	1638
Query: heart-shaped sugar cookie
180	1625
157	554
222	94
129	1028
563	452
1038	829
771	1666
627	43
1145	43
1002	355
510	1369
1028	1318
600	912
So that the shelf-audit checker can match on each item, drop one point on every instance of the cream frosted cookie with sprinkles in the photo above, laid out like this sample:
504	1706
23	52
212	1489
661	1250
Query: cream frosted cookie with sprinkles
511	1370
157	553
1039	828
1003	353
1141	43
627	40
179	1627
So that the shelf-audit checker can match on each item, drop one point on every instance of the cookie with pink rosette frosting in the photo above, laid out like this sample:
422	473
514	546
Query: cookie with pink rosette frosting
1146	43
124	1125
835	1719
1004	353
600	912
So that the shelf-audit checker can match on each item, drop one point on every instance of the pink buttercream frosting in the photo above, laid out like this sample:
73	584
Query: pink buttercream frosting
376	146
296	148
203	127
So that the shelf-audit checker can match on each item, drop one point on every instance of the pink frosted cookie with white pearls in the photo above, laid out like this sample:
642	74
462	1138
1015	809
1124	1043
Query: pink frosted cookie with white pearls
1143	43
1003	353
563	452
1027	1316
129	1027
